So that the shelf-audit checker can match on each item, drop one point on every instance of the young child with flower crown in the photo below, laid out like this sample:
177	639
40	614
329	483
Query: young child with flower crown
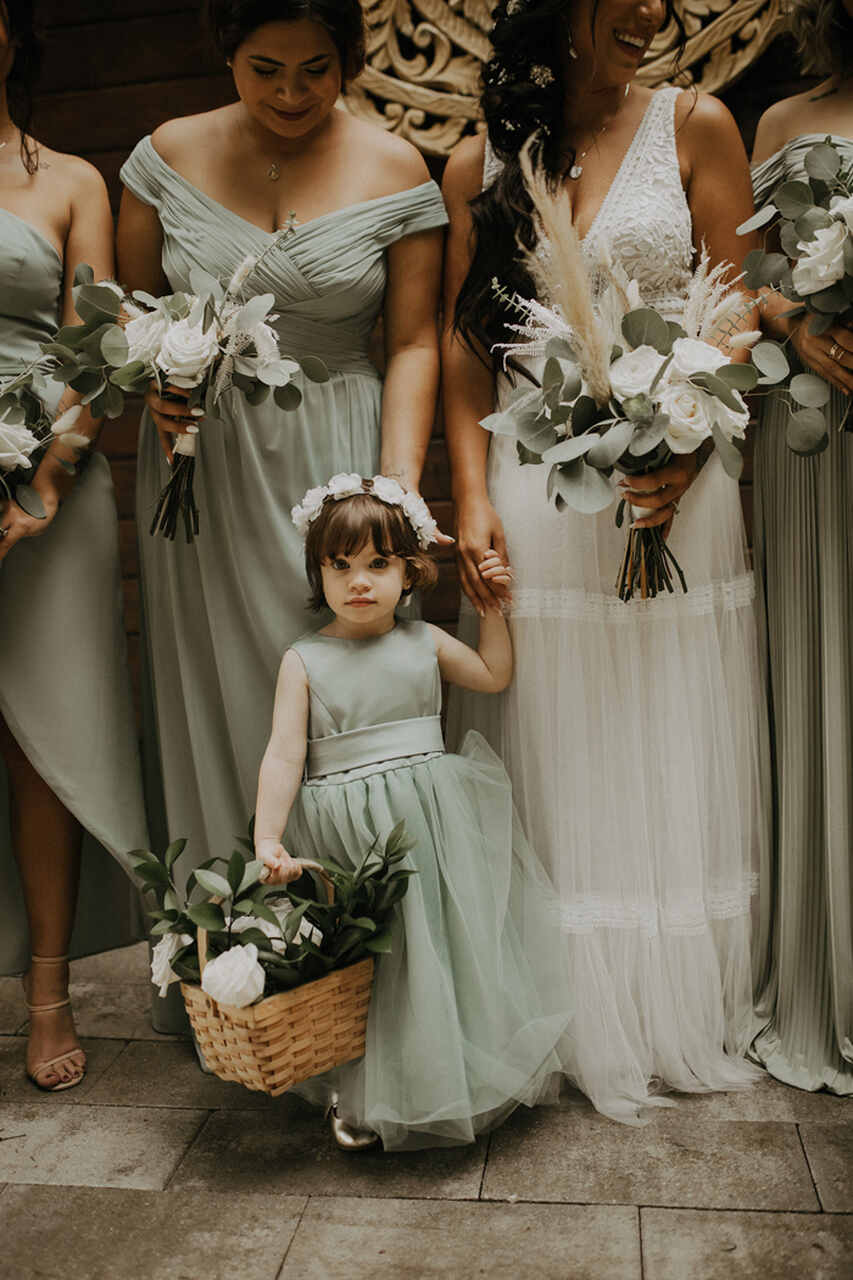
469	1008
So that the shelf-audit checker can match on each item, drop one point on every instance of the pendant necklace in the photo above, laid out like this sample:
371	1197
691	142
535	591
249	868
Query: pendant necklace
273	172
577	168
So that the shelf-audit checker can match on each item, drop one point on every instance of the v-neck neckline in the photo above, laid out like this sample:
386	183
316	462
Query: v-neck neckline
630	151
38	234
289	232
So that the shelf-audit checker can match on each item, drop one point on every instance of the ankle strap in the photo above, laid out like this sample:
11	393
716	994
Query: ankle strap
48	959
48	1008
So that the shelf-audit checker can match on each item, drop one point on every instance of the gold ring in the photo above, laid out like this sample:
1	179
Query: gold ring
834	351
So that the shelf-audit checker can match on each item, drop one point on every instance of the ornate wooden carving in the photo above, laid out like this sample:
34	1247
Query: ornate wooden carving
424	57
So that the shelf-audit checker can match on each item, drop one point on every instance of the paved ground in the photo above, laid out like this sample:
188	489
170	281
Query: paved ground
151	1169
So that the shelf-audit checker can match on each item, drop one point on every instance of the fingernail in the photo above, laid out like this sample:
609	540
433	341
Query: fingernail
197	413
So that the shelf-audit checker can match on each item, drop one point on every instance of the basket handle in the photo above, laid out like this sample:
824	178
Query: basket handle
201	937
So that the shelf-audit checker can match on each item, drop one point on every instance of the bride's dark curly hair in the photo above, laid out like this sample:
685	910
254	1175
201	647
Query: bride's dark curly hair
17	16
523	93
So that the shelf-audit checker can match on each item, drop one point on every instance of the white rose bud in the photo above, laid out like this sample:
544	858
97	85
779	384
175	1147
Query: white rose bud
692	355
162	973
145	335
187	352
16	444
633	373
235	978
822	260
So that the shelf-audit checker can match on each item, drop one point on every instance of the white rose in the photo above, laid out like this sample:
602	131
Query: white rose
305	511
187	351
387	490
162	973
420	518
235	978
306	928
633	373
692	355
345	485
145	335
690	416
822	260
273	932
16	444
841	207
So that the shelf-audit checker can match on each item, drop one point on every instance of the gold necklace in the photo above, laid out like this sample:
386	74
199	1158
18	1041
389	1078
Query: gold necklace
273	172
577	168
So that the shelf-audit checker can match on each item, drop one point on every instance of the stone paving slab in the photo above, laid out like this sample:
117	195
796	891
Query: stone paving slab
14	1084
125	964
88	1233
168	1075
768	1099
293	1153
564	1155
93	1146
829	1149
13	1006
347	1239
679	1243
114	1010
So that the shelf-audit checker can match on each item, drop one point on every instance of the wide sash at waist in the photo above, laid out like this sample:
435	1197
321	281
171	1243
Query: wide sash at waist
374	744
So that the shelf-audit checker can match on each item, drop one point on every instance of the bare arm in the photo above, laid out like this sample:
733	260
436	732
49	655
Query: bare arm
468	390
89	239
281	769
486	669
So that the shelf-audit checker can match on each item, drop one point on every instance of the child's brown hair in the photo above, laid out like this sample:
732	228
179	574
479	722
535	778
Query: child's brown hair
346	525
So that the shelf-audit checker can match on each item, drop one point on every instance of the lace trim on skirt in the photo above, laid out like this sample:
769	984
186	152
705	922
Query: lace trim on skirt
690	915
586	606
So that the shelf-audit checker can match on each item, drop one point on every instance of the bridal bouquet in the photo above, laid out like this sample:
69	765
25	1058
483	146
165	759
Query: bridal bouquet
203	342
622	388
26	431
261	940
814	270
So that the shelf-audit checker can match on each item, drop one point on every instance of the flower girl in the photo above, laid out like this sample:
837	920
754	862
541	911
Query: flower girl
469	1008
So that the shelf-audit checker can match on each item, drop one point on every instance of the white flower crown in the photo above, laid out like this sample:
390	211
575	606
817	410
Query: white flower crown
384	488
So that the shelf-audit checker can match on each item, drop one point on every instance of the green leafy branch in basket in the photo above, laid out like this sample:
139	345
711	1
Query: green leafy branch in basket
298	933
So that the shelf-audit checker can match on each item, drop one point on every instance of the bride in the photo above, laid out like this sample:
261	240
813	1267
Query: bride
632	732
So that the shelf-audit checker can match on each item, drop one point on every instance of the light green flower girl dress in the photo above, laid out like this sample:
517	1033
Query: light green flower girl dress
469	1009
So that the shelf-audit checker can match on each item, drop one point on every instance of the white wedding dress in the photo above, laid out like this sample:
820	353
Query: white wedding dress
633	733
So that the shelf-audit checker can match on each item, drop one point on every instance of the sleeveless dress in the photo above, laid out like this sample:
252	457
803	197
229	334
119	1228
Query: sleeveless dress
64	687
470	1006
804	567
633	734
217	612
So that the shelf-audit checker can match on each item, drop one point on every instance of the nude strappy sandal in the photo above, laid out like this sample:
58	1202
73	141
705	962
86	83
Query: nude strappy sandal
50	1064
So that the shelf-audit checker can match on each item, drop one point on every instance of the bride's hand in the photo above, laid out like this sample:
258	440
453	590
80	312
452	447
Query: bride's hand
829	354
171	417
661	491
479	529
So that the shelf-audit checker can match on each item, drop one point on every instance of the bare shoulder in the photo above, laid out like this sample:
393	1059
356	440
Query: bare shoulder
394	164
176	140
702	118
292	670
779	124
463	174
79	180
437	636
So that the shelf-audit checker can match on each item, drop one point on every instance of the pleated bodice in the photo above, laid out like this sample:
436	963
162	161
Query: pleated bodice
31	274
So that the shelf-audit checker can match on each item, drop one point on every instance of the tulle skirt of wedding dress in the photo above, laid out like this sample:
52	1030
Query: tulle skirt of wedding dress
634	739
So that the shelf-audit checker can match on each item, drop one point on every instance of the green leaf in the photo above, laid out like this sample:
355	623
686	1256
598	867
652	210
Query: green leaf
113	402
648	438
560	349
162	926
236	864
823	162
258	393
830	301
793	199
94	303
811	221
207	915
612	445
552	375
205	285
170	901
742	377
573	447
293	921
809	390
251	874
174	852
752	268
264	912
131	376
114	347
526	456
288	397
639	408
716	387
731	458
759	219
806	432
789	240
314	369
771	362
84	274
645	327
27	498
584	414
213	882
583	488
381	944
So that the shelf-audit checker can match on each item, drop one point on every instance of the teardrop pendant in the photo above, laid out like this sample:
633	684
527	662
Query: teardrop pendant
576	171
273	172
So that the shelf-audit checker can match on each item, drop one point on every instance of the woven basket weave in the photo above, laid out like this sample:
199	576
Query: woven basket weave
273	1045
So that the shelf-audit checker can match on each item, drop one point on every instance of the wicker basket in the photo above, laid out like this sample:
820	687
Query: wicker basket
273	1045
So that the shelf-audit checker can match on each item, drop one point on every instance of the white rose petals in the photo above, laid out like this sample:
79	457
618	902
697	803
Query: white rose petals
162	973
235	978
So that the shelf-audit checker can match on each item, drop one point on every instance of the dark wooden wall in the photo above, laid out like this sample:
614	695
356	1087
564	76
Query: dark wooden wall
114	72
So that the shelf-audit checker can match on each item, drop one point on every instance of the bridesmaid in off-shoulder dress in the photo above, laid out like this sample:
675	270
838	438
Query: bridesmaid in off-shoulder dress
348	226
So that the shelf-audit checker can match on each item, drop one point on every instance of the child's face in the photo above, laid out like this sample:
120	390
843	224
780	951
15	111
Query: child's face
364	589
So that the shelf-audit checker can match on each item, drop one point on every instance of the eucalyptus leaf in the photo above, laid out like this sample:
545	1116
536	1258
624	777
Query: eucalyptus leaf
759	219
645	327
742	377
771	362
789	240
753	268
29	501
715	385
584	414
203	284
811	221
94	303
772	267
526	456
809	390
113	401
314	369
647	438
573	447
288	397
822	162
819	323
793	199
130	377
162	926
277	373
830	301
561	349
806	432
583	488
552	375
84	274
114	346
611	445
258	393
731	457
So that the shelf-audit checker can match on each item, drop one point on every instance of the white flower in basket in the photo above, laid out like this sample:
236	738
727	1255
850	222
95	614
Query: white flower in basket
162	973
235	978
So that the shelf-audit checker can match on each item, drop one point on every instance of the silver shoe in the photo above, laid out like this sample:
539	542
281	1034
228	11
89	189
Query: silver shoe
347	1136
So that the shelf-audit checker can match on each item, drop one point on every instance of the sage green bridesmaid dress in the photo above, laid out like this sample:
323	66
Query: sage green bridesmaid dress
219	611
804	572
469	1010
64	685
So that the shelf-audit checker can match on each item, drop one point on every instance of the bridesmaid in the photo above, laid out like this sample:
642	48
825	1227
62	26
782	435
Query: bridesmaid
348	223
803	532
67	734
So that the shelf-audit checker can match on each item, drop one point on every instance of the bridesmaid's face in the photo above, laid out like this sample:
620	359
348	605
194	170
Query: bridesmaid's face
611	38
288	75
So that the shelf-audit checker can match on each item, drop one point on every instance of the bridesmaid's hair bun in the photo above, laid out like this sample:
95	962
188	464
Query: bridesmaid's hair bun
231	21
17	18
343	528
823	30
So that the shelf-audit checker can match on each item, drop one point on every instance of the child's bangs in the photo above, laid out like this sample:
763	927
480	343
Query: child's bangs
352	523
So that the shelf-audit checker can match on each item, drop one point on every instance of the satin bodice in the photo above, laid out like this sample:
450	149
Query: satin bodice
327	274
30	291
788	163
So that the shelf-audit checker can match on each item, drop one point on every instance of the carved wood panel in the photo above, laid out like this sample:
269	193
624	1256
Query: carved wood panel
424	58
